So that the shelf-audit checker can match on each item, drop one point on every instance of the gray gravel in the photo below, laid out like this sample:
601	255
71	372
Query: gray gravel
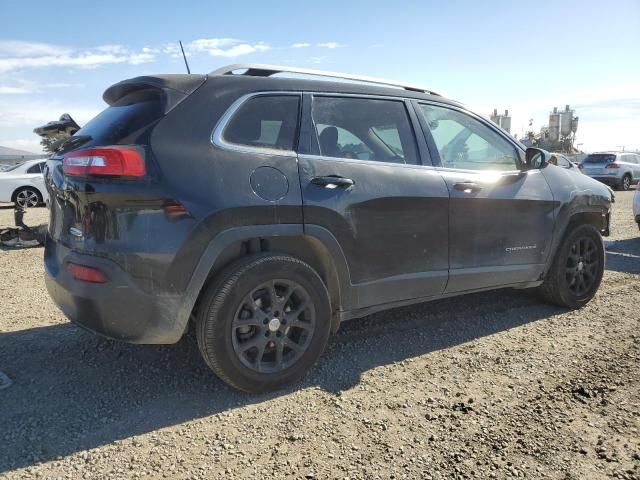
492	385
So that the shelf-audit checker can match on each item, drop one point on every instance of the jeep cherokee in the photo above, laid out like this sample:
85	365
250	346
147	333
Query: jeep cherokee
263	210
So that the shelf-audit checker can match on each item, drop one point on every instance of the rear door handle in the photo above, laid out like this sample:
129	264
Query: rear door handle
467	187
333	181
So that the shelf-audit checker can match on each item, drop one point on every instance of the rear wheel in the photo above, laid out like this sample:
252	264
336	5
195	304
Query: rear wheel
626	182
576	272
26	197
264	322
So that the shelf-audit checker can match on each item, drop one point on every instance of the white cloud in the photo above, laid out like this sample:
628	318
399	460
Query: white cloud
329	45
216	47
7	90
13	48
62	85
21	55
18	86
31	113
139	58
114	49
317	60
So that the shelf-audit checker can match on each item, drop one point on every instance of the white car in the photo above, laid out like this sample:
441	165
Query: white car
23	184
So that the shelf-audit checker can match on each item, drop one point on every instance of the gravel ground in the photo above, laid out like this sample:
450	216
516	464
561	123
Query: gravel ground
491	385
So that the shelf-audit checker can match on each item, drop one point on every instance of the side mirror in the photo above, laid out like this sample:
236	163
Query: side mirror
536	158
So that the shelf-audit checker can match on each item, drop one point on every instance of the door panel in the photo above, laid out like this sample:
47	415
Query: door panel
500	217
500	231
392	225
388	214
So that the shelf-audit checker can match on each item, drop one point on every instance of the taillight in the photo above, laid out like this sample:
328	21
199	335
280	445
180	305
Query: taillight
612	165
107	161
86	274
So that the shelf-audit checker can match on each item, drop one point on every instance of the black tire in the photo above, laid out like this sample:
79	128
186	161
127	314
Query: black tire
625	184
27	197
247	330
576	272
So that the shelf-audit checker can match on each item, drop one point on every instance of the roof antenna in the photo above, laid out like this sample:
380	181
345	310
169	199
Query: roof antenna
186	64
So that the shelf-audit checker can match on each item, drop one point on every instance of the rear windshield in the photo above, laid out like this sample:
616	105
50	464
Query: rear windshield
123	118
13	167
600	158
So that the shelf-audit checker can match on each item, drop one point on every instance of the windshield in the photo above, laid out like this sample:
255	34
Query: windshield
600	158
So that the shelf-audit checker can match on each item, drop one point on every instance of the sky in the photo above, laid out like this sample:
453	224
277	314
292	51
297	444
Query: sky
523	56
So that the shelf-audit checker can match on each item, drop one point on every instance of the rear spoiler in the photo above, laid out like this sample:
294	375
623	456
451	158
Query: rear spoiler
174	88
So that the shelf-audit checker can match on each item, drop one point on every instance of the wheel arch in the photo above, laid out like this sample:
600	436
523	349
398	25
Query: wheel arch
316	247
596	218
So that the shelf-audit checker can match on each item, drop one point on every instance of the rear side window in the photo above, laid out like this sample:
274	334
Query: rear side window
363	129
37	168
265	122
125	118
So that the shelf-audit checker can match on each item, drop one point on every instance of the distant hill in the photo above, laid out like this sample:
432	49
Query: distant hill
6	151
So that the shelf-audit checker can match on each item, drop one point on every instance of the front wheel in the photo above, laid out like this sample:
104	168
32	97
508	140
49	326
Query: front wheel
576	272
263	322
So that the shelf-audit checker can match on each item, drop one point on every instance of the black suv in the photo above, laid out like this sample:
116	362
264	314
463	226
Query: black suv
264	210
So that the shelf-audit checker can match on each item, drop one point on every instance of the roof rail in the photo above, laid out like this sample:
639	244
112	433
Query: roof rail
260	70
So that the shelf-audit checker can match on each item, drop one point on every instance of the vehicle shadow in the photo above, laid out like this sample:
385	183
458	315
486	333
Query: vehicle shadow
623	255
73	391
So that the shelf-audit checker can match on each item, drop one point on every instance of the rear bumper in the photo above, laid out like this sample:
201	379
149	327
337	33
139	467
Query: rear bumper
117	309
611	181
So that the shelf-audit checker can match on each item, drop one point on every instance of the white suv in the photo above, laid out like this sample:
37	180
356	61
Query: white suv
617	169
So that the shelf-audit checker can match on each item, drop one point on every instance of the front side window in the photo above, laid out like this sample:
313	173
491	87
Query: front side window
363	129
466	143
265	122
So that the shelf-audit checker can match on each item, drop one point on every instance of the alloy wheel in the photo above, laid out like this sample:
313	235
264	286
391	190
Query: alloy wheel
27	198
626	183
273	326
582	266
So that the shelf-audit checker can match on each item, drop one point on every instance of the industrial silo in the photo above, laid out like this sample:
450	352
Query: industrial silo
565	121
574	124
505	121
554	126
495	118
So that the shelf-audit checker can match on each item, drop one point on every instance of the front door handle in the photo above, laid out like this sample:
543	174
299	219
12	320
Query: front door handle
467	187
333	181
